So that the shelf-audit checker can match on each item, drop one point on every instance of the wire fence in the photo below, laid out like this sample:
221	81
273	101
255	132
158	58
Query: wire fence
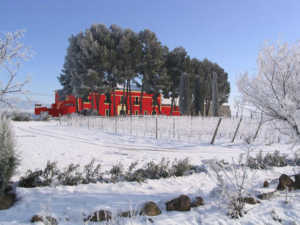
193	129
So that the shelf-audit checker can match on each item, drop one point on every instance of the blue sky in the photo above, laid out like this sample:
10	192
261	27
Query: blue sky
229	33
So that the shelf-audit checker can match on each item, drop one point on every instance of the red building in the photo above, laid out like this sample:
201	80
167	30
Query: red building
106	105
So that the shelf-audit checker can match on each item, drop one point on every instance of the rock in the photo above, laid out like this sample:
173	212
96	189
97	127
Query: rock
7	200
9	189
285	182
128	214
44	219
198	201
182	203
297	181
150	209
98	216
266	184
266	196
250	200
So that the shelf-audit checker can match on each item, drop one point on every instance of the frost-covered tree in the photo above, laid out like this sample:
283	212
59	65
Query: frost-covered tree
274	90
8	156
12	54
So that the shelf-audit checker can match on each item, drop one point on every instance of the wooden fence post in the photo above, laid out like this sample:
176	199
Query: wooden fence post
216	131
237	129
156	133
173	127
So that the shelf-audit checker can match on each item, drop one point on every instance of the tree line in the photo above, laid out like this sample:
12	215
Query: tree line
102	59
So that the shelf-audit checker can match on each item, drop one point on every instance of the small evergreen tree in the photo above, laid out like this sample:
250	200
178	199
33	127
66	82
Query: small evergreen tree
8	156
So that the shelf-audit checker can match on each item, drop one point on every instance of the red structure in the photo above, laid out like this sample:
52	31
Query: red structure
106	106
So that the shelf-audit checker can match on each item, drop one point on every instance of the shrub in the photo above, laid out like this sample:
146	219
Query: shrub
232	185
268	160
156	171
8	156
92	173
181	167
71	175
117	172
20	116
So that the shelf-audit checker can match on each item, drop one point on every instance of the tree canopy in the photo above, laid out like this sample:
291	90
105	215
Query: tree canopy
101	59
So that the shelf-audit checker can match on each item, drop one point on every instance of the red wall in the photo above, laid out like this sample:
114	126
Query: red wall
68	105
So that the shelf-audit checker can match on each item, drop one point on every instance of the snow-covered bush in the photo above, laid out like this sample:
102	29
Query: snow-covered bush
91	173
232	185
117	172
8	156
181	167
157	170
268	160
21	116
71	175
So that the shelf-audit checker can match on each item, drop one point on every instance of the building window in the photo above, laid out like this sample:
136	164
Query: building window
136	101
153	112
107	112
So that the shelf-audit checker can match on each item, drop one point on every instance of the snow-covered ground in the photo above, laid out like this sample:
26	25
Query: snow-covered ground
39	142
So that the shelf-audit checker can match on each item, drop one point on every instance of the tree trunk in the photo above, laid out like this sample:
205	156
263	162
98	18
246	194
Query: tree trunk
97	99
114	101
214	94
123	96
130	102
172	105
127	93
141	100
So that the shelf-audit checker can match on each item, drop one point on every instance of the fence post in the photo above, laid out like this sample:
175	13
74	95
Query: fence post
116	124
130	124
173	127
236	130
156	127
216	131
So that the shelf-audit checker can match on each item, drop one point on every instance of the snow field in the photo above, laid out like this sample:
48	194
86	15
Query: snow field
39	142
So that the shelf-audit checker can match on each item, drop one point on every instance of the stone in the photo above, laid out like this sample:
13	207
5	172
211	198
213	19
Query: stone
266	184
7	200
198	201
285	182
250	200
150	209
297	181
98	216
44	219
266	196
182	203
128	214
